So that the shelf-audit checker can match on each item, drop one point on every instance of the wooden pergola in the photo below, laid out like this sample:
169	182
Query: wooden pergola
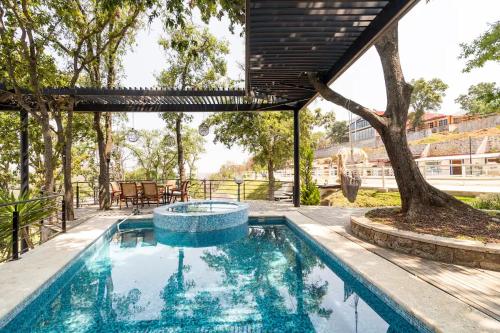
284	39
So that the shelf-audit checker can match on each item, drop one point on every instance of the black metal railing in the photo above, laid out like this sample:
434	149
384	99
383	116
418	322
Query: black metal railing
208	189
25	224
85	193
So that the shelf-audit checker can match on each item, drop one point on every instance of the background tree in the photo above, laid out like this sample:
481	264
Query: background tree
336	131
268	136
195	60
153	155
194	146
484	48
481	99
27	66
421	202
427	96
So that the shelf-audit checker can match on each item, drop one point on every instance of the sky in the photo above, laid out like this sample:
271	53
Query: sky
429	37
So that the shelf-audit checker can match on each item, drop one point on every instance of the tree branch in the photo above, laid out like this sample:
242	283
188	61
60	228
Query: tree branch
375	120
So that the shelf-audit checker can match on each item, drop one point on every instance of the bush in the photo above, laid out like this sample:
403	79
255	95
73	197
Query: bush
487	201
309	192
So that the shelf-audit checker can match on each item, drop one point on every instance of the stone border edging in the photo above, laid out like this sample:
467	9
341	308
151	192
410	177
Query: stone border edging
454	251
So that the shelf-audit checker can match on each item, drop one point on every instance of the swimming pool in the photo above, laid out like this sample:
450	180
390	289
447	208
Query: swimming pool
268	279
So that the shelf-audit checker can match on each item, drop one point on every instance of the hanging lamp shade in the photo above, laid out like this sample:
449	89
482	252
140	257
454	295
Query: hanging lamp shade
132	135
203	129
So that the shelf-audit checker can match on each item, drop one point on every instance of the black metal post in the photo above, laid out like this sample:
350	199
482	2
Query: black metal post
63	215
239	191
24	152
296	158
15	234
244	191
77	195
204	189
210	188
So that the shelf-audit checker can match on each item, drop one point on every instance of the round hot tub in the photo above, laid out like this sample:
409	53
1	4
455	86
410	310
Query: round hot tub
200	216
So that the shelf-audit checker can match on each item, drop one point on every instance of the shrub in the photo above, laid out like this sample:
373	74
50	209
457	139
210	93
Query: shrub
309	192
487	201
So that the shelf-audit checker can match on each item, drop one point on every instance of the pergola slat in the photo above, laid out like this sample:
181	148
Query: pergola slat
286	38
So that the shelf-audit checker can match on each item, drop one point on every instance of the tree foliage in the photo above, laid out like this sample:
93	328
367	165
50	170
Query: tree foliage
195	59
427	96
484	48
268	136
481	99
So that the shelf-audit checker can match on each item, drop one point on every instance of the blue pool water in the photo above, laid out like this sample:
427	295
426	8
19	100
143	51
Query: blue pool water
266	279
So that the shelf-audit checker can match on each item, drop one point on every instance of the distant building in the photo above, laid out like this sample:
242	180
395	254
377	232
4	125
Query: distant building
361	130
476	153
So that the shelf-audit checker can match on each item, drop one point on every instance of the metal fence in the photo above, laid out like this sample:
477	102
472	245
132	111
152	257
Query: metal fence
28	223
86	193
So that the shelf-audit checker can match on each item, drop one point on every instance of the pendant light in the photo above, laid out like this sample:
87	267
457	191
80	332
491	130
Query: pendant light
132	134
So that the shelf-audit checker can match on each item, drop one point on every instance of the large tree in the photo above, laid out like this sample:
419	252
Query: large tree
27	65
481	99
420	200
120	25
426	96
195	59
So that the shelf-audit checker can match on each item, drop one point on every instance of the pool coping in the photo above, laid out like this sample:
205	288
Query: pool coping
433	307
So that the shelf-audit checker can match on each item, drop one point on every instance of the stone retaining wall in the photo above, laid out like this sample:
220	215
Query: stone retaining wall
456	251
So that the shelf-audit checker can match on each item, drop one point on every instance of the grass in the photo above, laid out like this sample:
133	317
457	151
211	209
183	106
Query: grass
365	198
448	136
487	201
250	190
373	198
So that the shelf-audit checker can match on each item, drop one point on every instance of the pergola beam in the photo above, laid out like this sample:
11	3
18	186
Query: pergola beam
181	107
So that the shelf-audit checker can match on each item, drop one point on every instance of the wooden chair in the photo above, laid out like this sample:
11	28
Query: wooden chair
170	186
115	192
182	193
150	193
129	192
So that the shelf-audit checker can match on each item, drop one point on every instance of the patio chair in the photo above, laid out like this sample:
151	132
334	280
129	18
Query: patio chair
129	192
285	193
115	192
170	185
150	193
182	193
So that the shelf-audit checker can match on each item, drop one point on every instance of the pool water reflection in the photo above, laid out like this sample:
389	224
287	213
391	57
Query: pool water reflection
269	280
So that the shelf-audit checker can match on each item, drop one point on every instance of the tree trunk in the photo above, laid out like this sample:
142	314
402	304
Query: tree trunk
108	146
180	149
418	197
103	180
270	177
48	155
67	160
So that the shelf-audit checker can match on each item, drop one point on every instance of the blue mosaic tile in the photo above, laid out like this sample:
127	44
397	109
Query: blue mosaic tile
204	216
